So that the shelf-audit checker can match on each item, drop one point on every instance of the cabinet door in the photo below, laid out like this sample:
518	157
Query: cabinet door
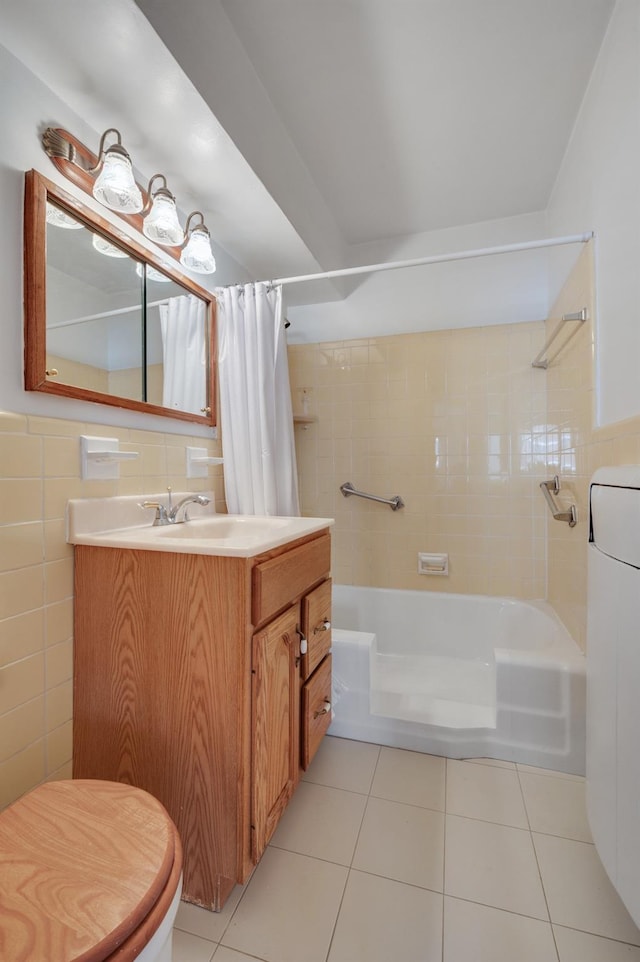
316	626
275	725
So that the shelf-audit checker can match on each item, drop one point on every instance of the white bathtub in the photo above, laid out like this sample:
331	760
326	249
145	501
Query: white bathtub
458	675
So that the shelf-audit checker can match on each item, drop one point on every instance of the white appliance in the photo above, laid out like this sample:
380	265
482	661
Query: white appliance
613	678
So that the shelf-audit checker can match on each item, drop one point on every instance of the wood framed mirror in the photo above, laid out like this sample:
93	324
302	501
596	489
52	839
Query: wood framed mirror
107	320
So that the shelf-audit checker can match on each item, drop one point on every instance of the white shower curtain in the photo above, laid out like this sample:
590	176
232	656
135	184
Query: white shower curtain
255	402
184	352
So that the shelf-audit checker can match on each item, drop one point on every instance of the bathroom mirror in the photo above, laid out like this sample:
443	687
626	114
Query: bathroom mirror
108	321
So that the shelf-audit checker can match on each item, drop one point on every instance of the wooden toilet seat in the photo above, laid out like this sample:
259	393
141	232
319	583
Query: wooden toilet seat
88	870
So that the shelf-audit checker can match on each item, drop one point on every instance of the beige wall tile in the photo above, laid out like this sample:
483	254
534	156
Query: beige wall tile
39	473
21	681
20	727
20	500
58	747
21	636
61	457
58	580
58	622
55	543
12	423
21	590
59	663
22	772
59	705
21	545
64	429
422	432
20	456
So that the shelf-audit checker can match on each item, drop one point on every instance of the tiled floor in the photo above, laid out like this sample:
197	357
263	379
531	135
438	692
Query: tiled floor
391	856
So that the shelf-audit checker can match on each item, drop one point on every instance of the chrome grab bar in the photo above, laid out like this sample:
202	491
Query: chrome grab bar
549	488
394	503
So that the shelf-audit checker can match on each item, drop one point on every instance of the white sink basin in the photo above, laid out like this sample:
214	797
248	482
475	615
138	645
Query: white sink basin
225	528
116	523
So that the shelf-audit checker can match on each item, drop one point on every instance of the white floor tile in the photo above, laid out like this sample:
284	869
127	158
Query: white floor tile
224	954
289	909
556	806
208	925
576	946
342	763
322	822
578	890
410	777
494	865
485	792
191	948
477	933
402	842
381	920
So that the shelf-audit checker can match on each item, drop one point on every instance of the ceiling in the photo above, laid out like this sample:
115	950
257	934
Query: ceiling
408	116
309	129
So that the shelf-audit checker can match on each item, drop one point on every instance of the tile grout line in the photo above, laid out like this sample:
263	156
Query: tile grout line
353	854
444	851
535	855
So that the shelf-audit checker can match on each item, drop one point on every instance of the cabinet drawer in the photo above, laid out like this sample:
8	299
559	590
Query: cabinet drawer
316	716
316	616
279	581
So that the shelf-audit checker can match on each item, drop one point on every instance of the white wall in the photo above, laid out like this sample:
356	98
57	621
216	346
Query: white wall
27	107
501	289
598	188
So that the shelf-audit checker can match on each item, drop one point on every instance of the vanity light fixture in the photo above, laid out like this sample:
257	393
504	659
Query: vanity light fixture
161	222
115	185
109	178
197	254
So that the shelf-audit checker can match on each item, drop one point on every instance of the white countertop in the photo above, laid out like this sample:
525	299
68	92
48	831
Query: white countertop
116	523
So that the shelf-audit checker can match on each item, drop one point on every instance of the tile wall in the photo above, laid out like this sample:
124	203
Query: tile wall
39	472
576	449
455	423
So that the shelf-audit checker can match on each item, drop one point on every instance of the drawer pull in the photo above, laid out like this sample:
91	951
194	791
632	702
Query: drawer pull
326	708
325	626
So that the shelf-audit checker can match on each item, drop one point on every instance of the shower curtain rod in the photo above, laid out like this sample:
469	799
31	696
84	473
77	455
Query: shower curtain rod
438	258
113	313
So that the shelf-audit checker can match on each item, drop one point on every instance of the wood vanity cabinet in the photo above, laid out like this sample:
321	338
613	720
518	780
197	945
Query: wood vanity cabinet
189	681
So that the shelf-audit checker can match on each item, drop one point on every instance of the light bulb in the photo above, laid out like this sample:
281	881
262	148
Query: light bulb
161	223
60	218
115	186
197	255
104	247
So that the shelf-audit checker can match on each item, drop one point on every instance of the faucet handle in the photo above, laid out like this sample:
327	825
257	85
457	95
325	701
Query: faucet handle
161	512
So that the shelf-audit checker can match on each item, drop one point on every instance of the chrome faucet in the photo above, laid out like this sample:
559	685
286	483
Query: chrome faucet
169	515
172	513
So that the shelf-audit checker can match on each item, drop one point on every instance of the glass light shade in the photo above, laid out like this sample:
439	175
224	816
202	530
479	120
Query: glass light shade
115	186
59	218
104	247
152	274
197	255
161	223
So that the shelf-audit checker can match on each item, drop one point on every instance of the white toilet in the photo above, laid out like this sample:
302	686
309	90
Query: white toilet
89	870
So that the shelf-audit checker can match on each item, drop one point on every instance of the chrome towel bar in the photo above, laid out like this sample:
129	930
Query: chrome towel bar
394	503
549	489
541	360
